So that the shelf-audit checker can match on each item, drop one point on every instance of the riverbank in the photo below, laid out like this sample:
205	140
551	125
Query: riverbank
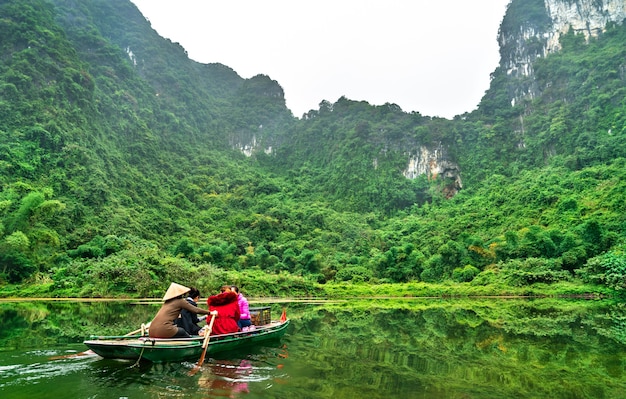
350	290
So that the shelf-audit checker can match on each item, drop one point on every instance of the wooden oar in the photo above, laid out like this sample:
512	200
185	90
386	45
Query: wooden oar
144	327
205	345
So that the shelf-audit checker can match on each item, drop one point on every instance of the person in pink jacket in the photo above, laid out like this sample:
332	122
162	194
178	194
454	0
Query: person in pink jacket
244	308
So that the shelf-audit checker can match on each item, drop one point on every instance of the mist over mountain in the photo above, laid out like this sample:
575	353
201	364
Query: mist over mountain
123	161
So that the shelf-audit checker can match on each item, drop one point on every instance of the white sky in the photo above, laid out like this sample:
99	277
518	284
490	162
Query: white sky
429	56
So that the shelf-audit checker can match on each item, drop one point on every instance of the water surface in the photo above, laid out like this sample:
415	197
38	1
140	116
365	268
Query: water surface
410	348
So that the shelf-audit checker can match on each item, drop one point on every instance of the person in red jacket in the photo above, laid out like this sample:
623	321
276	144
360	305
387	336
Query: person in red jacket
227	311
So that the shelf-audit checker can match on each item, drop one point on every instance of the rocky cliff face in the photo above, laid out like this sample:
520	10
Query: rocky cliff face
532	29
589	17
434	163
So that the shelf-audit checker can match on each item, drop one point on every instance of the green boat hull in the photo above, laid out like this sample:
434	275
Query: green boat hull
176	350
114	347
162	352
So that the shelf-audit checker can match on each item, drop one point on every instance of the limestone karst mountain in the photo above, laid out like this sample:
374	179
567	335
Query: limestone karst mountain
123	162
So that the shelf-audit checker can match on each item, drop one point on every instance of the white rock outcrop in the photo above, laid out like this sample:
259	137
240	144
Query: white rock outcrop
589	17
434	163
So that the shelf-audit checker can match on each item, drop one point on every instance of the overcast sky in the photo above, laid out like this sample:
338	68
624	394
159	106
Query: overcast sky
429	56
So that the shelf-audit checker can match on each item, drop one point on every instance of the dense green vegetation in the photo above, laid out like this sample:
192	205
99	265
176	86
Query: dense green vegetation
121	170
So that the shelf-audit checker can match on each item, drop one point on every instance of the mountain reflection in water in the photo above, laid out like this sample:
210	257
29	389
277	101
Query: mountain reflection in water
412	348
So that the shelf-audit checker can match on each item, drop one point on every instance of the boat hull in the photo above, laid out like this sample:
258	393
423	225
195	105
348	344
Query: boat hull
114	347
176	350
167	351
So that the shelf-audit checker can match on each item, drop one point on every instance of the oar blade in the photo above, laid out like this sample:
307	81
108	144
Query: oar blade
205	345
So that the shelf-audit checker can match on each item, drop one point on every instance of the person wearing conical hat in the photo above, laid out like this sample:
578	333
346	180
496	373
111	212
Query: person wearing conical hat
162	326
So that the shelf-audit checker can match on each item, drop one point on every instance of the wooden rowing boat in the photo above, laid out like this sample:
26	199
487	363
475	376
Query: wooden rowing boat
160	350
113	346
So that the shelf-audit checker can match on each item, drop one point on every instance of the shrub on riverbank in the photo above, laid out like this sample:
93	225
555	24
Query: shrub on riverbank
451	289
262	285
139	270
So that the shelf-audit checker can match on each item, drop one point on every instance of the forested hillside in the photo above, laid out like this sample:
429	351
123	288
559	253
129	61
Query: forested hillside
124	165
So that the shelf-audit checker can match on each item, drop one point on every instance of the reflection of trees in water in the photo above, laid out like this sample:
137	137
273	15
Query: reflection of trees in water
388	348
45	323
612	323
524	347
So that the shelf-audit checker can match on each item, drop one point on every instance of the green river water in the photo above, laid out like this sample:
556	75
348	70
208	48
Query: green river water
376	348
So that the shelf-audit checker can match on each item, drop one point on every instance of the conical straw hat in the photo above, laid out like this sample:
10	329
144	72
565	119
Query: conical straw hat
175	290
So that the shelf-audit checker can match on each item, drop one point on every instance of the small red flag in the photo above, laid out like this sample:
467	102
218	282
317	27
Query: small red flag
283	317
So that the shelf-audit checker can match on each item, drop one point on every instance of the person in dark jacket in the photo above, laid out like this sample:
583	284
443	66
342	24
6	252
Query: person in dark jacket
162	326
227	309
189	320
